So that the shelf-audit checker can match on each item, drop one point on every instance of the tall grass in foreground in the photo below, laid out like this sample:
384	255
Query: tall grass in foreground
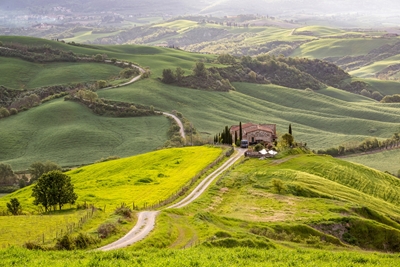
199	256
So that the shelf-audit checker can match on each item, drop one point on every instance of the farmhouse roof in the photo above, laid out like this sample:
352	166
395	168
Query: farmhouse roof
251	127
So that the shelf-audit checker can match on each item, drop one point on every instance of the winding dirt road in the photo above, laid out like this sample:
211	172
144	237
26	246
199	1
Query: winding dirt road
179	122
146	219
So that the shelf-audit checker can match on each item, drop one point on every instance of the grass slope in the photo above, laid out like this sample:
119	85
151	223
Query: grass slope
383	161
325	203
333	47
70	134
317	118
20	74
144	179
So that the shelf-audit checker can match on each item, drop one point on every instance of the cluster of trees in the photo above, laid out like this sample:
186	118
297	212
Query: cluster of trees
40	54
297	73
109	108
14	101
391	99
201	78
368	144
225	137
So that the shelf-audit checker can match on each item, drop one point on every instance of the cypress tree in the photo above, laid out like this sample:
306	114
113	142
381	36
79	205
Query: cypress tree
240	131
236	137
290	129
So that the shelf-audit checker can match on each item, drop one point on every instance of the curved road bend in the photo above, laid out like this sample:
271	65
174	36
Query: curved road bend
146	219
179	122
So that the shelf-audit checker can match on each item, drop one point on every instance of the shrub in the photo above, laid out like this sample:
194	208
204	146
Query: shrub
34	246
13	111
106	229
4	112
65	243
124	210
83	241
278	185
258	147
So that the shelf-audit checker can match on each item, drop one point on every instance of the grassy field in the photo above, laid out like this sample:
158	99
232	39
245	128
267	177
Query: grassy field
20	74
340	47
70	134
200	256
144	179
317	118
319	193
383	161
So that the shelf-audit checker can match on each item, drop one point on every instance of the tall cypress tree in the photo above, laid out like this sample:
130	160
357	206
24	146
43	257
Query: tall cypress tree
236	137
240	131
290	129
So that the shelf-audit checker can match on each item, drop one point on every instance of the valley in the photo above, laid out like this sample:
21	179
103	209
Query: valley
129	106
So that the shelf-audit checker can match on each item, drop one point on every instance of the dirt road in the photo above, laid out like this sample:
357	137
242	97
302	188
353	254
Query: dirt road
179	122
146	219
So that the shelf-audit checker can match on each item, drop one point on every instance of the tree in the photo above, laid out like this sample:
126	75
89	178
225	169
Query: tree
200	70
290	129
54	188
37	169
168	76
240	131
14	207
287	140
179	72
7	176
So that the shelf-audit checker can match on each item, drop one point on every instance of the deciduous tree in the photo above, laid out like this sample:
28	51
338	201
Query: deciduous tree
7	176
54	188
14	207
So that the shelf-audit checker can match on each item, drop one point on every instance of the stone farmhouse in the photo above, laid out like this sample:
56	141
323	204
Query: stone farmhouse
256	133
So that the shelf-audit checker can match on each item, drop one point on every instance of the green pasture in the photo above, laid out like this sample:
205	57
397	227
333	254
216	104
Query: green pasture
200	256
382	86
146	178
334	188
69	134
333	47
178	25
20	74
16	230
139	180
319	119
319	30
371	70
383	161
85	36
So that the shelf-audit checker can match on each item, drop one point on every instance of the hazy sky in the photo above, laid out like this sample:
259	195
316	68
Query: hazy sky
273	7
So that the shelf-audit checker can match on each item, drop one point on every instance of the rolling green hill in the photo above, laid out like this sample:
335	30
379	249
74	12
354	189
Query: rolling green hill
323	202
139	180
320	119
70	134
20	74
324	118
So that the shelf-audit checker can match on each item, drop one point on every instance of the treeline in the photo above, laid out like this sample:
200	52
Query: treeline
105	107
299	73
10	181
369	144
41	54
